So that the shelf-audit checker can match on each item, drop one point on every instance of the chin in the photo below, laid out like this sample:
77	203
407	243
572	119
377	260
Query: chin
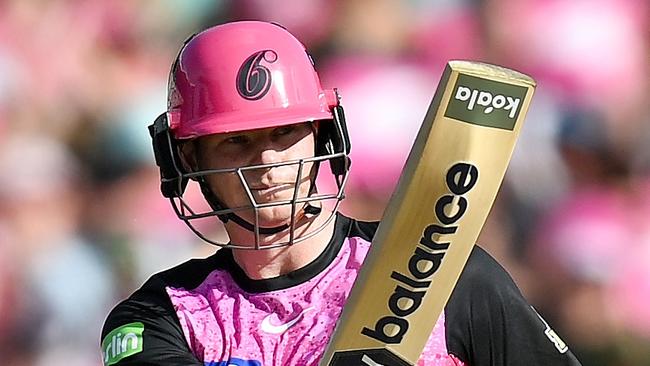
271	216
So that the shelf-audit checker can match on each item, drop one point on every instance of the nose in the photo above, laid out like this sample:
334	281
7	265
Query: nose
265	154
269	155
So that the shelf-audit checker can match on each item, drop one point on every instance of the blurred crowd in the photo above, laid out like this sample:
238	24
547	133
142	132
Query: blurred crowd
82	222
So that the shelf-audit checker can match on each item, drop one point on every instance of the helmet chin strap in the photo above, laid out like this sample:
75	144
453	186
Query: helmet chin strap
309	210
250	227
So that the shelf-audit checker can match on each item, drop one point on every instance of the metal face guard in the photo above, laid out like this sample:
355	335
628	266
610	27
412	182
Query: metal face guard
187	214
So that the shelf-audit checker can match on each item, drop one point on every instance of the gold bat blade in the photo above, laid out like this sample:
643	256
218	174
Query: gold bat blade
444	194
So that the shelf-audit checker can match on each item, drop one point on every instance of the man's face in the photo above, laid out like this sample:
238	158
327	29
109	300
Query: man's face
255	147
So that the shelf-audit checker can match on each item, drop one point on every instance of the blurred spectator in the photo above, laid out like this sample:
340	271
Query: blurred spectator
593	258
313	20
67	276
385	102
82	222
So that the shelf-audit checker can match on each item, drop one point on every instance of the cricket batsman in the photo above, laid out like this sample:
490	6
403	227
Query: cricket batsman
249	123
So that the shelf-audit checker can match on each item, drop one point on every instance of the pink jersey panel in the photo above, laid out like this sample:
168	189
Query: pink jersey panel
292	326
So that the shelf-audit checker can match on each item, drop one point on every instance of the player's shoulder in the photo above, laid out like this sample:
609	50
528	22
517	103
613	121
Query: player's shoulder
151	300
483	275
191	273
144	327
481	267
484	291
488	320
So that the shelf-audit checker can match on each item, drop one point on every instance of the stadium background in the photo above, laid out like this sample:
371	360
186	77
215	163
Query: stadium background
82	223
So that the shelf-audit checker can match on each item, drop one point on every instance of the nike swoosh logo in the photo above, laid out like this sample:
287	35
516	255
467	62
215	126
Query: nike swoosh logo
279	329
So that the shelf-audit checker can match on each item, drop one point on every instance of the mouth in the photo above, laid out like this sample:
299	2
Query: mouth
270	189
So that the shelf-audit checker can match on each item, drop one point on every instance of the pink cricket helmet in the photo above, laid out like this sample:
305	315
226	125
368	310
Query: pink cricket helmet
242	76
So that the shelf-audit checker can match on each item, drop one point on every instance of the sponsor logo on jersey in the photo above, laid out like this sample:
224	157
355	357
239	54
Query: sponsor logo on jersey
366	360
485	102
427	257
268	327
122	342
552	336
253	78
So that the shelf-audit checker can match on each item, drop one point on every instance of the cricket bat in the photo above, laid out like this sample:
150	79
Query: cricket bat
434	217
